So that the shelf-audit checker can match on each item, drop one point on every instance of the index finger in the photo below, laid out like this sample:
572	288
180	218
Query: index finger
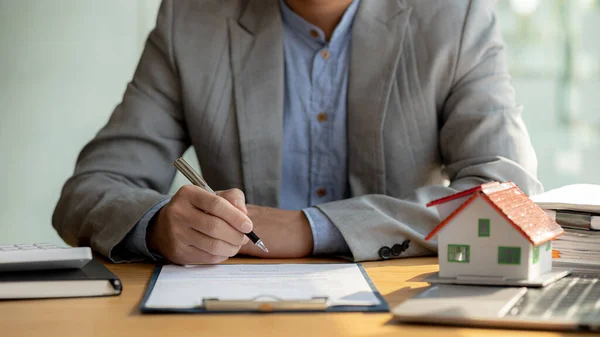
221	208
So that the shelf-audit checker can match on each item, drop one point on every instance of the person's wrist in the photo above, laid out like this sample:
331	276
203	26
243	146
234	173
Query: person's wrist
151	234
286	233
306	242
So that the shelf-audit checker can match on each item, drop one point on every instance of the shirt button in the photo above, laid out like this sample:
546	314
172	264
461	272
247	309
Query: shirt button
314	33
322	117
321	192
325	54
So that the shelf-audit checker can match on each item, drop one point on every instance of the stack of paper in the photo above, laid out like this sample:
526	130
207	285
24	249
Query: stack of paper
577	209
578	245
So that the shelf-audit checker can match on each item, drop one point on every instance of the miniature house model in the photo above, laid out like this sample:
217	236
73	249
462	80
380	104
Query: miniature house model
493	230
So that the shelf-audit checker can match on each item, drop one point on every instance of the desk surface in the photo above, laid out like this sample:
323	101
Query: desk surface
119	316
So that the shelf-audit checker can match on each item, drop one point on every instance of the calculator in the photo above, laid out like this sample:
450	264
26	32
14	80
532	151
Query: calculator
42	256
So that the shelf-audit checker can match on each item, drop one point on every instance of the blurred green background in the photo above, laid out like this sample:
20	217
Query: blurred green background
64	65
554	55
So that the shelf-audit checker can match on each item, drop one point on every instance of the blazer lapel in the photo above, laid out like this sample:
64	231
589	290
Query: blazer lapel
256	42
378	36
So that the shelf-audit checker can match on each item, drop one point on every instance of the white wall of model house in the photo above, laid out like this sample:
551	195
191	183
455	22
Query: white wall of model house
544	264
463	229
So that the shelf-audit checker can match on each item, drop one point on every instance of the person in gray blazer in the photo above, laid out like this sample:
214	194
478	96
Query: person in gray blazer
325	126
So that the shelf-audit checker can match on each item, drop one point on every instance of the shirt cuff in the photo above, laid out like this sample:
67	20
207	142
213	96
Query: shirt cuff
135	241
328	240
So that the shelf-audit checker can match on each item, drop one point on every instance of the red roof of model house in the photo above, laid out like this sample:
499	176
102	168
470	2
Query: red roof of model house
510	202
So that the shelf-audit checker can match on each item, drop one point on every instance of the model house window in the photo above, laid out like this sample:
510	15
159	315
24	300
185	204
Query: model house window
548	245
536	254
458	253
509	255
484	227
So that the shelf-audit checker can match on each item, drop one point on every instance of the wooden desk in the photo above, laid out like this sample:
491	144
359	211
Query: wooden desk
119	316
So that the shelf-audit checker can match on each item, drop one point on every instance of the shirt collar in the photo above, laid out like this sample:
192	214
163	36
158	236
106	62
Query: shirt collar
307	30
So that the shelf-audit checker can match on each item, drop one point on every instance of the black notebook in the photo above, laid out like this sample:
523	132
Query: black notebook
94	279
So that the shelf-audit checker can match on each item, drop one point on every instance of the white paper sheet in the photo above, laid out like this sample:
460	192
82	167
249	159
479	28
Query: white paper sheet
186	287
576	197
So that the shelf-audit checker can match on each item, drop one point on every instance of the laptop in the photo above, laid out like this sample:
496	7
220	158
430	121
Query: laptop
572	303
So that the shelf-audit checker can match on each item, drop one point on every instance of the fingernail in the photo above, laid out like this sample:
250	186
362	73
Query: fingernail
245	241
246	227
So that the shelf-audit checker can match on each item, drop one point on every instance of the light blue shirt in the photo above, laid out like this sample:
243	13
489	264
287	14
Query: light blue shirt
314	159
314	156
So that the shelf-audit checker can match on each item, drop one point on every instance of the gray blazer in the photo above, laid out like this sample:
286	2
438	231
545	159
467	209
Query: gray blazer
429	101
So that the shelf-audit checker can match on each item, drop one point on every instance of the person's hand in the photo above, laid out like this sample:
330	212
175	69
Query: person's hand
198	227
287	234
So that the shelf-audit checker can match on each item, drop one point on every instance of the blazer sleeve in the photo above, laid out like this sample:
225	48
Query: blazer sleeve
482	138
127	168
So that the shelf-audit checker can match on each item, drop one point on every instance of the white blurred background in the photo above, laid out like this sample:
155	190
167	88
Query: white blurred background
64	65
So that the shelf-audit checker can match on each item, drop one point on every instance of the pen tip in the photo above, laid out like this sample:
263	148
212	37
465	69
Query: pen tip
262	246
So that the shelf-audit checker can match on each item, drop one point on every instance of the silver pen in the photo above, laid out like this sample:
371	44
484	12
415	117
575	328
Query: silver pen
197	180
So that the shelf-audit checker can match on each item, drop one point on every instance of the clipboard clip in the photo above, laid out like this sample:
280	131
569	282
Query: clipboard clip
266	304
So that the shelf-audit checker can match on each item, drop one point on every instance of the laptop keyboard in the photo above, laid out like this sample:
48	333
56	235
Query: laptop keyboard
574	297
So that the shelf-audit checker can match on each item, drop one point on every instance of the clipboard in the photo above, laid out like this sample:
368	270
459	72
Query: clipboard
266	304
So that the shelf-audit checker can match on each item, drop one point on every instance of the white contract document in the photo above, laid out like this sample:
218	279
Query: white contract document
179	287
